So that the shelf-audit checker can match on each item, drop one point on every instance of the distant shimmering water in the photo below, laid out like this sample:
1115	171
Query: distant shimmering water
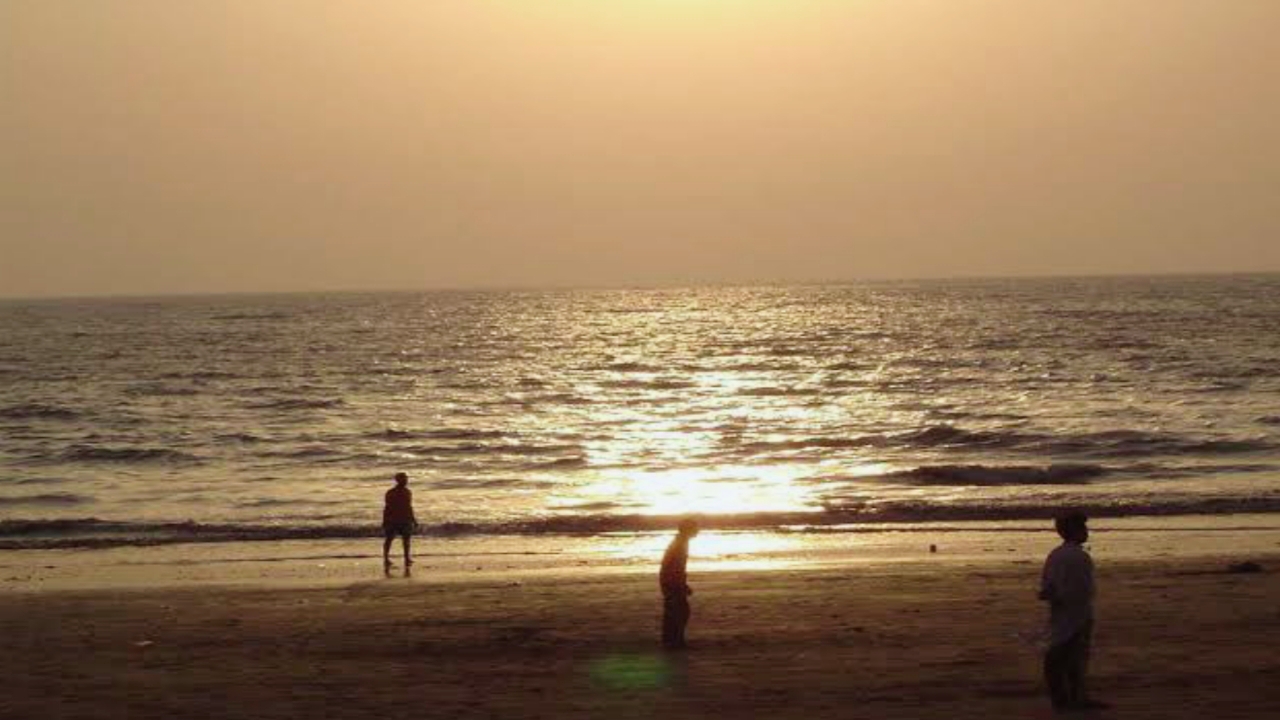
599	410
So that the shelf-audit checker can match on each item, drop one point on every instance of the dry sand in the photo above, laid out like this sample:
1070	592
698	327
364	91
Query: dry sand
1176	638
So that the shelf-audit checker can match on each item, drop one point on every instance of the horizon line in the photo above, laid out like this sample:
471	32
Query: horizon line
671	285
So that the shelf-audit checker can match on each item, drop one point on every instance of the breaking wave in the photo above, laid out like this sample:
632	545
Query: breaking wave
394	434
298	404
835	517
160	390
38	411
91	453
1114	444
45	499
991	476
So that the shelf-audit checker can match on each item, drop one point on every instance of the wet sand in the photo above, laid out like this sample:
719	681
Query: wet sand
1176	638
479	558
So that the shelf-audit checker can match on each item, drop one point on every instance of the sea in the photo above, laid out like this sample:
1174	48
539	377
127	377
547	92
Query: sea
801	408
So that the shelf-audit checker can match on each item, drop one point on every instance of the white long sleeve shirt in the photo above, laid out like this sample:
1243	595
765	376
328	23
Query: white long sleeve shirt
1067	584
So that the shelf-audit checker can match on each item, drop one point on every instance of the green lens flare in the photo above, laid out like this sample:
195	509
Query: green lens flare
631	672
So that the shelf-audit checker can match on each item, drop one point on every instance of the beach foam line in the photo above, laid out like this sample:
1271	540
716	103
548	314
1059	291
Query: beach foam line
99	533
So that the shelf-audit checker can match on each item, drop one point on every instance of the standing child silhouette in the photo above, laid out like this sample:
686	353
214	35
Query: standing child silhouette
398	519
1067	585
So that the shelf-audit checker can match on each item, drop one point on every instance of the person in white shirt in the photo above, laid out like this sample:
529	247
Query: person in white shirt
1067	585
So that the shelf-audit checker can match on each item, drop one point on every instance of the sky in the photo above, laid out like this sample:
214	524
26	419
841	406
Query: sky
152	146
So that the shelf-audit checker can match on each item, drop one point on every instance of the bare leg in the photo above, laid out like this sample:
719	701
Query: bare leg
407	560
386	549
675	616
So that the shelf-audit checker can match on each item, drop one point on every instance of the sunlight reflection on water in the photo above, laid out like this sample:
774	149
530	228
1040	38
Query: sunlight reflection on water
713	490
529	410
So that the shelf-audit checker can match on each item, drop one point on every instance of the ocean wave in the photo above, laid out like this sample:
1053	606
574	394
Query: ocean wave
250	316
627	366
392	371
160	390
201	375
998	475
648	384
829	443
37	411
45	499
557	398
928	437
531	449
282	502
592	506
837	383
299	404
566	463
467	483
1243	372
750	366
486	449
851	365
1159	470
768	391
941	435
923	511
1108	444
940	413
834	517
41	481
307	453
241	437
395	434
93	453
1136	443
1222	386
1269	420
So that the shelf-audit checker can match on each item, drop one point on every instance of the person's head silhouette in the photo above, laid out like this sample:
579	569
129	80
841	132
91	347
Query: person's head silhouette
688	528
401	479
1072	526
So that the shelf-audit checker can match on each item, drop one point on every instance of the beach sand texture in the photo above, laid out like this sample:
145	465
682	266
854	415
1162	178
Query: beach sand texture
1175	639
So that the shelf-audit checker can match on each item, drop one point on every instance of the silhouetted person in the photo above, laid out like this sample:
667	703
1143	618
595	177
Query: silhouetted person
398	519
674	581
1067	585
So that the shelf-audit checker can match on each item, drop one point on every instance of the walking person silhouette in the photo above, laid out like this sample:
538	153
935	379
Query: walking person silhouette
674	581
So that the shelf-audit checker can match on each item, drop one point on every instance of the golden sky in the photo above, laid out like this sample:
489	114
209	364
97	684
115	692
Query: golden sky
152	146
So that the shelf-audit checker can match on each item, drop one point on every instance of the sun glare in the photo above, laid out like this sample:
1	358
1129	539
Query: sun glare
708	491
711	545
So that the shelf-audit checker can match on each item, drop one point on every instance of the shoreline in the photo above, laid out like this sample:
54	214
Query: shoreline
93	532
321	563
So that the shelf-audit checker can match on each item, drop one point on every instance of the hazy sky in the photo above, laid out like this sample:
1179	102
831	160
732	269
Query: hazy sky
152	146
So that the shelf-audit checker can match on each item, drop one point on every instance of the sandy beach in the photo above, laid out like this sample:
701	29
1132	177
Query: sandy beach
381	360
1177	638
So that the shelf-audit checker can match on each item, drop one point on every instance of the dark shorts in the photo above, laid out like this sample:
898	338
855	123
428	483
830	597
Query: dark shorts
403	530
